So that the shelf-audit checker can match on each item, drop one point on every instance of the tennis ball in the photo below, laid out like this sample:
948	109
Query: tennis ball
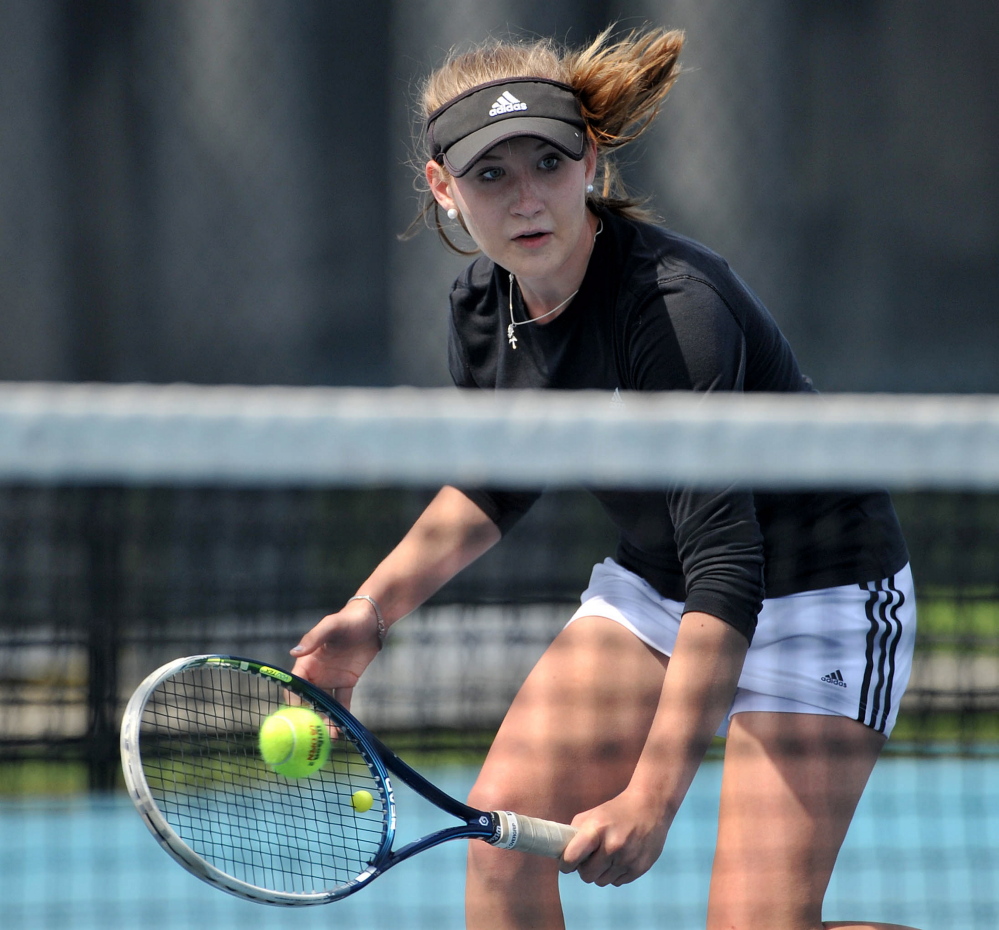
294	741
361	801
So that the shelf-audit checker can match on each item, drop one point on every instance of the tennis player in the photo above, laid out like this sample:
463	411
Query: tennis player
784	622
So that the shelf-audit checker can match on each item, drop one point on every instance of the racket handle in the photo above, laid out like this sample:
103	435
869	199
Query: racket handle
532	834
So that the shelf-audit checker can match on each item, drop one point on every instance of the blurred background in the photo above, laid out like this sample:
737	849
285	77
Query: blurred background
211	191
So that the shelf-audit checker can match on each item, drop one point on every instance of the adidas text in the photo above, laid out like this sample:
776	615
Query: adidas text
834	678
507	103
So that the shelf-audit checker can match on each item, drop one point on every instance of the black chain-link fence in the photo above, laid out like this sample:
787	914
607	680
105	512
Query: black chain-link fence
98	585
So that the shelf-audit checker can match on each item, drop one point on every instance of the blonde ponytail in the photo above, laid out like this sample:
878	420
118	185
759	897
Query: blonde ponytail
621	85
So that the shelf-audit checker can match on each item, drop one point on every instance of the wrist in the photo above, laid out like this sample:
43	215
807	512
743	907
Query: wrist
379	616
665	770
656	792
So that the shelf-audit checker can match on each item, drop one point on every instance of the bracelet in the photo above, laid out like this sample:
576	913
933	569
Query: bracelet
382	632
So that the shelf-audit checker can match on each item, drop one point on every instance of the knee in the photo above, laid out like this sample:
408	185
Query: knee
508	871
495	791
749	901
500	868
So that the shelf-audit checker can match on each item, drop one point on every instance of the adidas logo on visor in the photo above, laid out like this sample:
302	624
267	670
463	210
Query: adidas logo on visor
507	103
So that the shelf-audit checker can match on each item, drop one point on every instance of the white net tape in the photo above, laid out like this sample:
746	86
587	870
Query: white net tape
182	434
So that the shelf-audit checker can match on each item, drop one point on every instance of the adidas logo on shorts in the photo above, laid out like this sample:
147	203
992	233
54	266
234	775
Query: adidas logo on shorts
507	103
834	678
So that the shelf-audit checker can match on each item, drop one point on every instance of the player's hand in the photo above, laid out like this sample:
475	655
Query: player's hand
617	842
335	652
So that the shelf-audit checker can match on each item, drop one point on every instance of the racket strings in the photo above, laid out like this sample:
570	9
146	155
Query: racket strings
202	763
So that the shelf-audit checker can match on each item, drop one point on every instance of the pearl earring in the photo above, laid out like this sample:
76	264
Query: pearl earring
589	188
452	214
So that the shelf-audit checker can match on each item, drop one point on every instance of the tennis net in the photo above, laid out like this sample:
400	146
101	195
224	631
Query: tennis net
140	523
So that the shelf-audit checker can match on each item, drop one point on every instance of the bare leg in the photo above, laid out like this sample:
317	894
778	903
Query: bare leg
790	787
569	741
851	926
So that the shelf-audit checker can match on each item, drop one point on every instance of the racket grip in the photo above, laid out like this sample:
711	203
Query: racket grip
532	834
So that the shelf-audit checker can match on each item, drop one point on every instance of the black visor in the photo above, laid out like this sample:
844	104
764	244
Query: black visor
464	129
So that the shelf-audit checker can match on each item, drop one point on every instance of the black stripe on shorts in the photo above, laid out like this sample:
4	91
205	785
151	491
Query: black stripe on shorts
883	635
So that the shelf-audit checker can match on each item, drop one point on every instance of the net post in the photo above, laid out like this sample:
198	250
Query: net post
102	540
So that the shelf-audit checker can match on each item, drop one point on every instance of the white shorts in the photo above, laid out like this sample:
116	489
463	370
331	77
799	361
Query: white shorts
843	651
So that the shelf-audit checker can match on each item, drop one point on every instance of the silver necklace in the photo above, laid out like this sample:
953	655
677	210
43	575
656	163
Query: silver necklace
511	330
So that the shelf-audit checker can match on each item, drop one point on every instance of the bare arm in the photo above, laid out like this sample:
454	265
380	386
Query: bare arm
450	534
620	840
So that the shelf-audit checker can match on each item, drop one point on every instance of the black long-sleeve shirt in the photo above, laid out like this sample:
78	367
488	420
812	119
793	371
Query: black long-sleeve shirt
659	312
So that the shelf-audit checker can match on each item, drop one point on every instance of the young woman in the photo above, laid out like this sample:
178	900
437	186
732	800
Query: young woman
783	621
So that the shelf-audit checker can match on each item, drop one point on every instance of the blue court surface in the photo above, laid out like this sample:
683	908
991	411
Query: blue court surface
923	850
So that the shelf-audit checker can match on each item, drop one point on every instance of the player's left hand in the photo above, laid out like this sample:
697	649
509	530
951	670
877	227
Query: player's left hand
337	650
617	842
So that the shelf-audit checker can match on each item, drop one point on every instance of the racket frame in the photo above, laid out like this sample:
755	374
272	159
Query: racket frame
493	827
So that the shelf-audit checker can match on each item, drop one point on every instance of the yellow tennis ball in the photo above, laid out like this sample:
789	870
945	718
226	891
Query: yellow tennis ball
361	801
294	741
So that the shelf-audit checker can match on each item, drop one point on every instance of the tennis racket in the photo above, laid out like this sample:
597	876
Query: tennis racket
190	755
